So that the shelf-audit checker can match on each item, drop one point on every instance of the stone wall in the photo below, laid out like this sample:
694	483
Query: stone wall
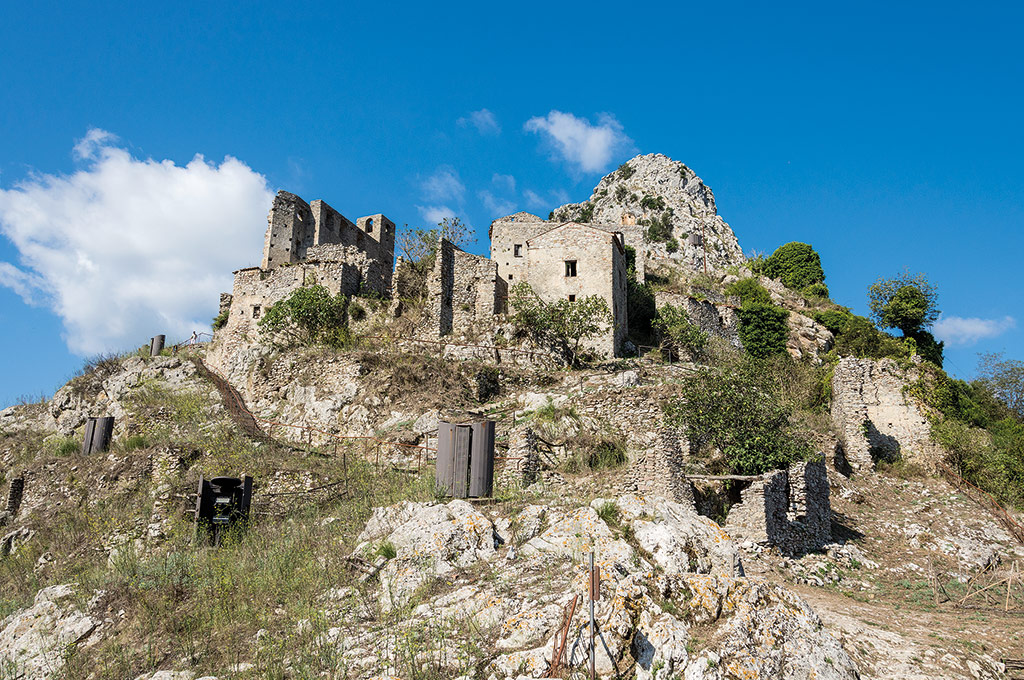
256	289
789	509
719	319
464	292
599	268
876	419
295	229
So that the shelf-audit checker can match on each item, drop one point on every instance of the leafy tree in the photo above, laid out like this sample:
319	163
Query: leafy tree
763	329
907	302
678	332
309	316
419	245
563	324
1004	378
816	290
737	410
796	264
750	291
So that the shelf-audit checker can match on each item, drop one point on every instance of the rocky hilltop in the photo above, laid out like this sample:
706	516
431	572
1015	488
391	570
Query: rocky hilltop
671	201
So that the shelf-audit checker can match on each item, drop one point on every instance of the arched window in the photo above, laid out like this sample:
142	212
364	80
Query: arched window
369	225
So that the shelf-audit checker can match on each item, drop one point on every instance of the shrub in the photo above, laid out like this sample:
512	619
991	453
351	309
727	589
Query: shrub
1004	379
763	330
563	324
625	171
587	212
66	446
860	338
220	320
356	311
819	290
621	193
135	441
671	245
796	265
659	228
738	410
640	308
835	320
749	290
309	316
678	332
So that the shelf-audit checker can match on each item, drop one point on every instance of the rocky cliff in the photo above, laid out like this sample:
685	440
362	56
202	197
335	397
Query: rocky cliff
671	202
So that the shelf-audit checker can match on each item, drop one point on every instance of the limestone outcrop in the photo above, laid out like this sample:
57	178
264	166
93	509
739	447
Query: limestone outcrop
34	641
664	571
655	187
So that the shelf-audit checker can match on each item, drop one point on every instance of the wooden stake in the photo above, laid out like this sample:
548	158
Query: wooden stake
1009	587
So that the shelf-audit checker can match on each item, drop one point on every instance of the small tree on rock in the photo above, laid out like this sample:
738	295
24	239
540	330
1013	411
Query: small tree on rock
309	316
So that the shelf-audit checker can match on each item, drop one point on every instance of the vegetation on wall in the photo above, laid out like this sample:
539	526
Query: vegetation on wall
763	329
308	316
220	320
749	291
640	308
565	325
678	334
908	302
738	410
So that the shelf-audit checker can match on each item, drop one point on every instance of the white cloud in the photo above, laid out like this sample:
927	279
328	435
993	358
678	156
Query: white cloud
433	214
124	248
534	200
483	120
956	330
585	147
443	185
498	207
504	182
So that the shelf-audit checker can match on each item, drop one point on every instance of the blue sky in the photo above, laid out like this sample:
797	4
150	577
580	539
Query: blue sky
887	135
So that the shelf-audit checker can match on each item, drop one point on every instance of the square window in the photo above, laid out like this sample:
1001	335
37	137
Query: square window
518	250
572	298
509	277
255	311
570	267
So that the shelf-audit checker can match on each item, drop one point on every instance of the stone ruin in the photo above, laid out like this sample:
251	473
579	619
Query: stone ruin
789	509
875	416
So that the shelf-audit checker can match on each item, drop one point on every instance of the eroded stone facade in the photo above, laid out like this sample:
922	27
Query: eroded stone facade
789	509
464	292
875	416
718	318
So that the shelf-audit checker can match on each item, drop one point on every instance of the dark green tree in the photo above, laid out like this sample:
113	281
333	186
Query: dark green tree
796	264
309	316
763	330
563	324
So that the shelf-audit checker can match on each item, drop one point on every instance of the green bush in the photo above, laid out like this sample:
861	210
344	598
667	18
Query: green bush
739	411
677	332
625	171
640	307
763	330
796	265
907	302
309	316
819	290
563	324
220	320
835	320
750	291
860	338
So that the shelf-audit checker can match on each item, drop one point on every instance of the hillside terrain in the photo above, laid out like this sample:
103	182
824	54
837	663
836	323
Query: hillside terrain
771	487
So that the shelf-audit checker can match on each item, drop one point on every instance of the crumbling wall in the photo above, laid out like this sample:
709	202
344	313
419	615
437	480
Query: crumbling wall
718	318
463	292
789	509
875	417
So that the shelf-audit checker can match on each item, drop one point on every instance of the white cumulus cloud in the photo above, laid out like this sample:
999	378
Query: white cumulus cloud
433	214
483	120
443	185
584	146
957	330
126	248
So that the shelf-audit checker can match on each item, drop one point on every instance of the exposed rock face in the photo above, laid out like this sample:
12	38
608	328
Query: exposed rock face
875	417
655	187
34	640
102	393
807	337
527	570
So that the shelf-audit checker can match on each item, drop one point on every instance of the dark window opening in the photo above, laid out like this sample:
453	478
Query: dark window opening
369	226
570	267
509	277
255	311
518	250
572	298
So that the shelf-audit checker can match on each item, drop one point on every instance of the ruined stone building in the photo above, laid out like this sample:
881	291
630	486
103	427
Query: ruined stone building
307	244
566	261
464	292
